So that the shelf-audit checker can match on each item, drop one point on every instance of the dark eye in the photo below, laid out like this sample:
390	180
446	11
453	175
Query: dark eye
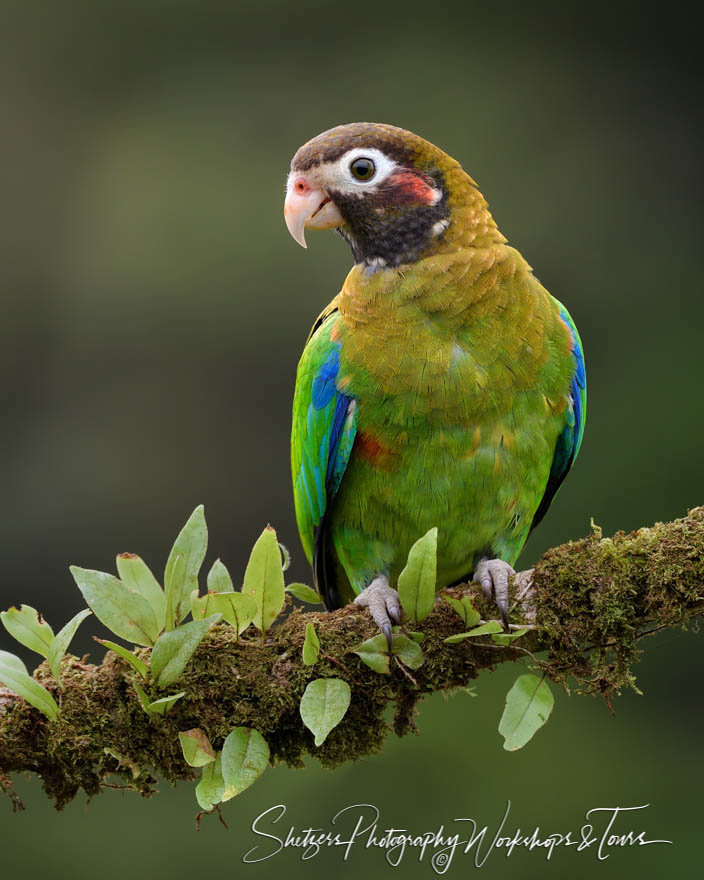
362	169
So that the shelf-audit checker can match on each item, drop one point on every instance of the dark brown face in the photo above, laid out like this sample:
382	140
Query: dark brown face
378	185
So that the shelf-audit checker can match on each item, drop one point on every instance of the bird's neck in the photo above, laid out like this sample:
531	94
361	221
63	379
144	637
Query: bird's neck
446	287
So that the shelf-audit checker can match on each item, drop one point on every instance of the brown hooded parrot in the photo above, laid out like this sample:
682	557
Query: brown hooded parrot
443	386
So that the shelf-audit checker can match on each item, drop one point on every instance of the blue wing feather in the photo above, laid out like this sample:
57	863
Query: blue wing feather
570	440
324	426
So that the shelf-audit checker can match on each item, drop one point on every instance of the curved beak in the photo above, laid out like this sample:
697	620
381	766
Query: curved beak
307	207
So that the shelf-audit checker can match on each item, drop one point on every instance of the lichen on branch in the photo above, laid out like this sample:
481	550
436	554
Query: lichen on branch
589	602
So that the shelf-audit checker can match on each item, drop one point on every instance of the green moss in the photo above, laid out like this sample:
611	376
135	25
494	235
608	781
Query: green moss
593	600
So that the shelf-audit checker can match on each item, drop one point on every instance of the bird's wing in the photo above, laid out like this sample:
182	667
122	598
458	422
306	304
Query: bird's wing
324	427
570	439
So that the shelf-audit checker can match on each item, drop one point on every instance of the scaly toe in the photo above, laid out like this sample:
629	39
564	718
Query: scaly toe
383	604
493	575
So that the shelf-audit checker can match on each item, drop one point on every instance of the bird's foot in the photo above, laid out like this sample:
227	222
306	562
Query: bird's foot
383	604
493	575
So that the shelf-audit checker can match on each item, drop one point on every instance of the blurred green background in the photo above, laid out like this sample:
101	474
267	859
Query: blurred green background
154	308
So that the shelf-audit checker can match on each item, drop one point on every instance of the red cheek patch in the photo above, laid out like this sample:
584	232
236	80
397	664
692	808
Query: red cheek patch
411	187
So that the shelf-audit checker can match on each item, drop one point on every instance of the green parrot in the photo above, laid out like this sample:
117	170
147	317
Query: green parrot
443	386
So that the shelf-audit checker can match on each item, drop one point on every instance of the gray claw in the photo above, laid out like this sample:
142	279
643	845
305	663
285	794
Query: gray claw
386	629
383	604
493	575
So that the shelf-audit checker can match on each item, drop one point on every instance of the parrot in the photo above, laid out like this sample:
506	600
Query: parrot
443	387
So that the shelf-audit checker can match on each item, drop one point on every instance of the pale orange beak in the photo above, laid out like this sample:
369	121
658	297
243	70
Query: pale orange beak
308	208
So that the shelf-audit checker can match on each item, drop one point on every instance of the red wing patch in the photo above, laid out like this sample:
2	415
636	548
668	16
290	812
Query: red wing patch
370	449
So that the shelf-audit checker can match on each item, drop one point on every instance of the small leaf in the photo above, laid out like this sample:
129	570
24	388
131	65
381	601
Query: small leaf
378	662
219	580
136	575
508	638
62	640
143	698
196	747
211	787
264	579
417	637
173	595
13	662
245	756
236	608
528	706
286	557
162	705
198	605
416	583
323	706
27	626
124	761
408	651
485	629
134	661
305	594
465	608
174	649
373	652
311	646
180	579
14	675
123	611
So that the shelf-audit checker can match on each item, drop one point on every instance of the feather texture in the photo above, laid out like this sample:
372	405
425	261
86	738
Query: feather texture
446	391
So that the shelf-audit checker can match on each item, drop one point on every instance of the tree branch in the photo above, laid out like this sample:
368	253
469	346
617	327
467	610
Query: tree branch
591	601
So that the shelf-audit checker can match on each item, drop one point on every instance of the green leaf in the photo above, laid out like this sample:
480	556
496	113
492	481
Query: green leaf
466	610
416	583
378	662
143	698
136	575
219	580
134	661
12	661
417	637
286	561
173	595
305	594
196	747
162	705
264	579
14	675
174	649
27	626
181	578
237	609
323	706
62	640
407	650
485	629
508	638
123	611
124	761
528	706
245	756
311	646
373	652
211	787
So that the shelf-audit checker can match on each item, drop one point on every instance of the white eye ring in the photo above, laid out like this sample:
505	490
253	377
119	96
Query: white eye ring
342	169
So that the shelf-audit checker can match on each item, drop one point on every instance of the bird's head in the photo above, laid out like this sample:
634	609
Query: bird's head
392	195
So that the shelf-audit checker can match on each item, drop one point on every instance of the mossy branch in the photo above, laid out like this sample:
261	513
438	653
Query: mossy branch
591	601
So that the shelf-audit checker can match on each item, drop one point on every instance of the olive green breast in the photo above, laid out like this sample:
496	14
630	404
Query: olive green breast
461	368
